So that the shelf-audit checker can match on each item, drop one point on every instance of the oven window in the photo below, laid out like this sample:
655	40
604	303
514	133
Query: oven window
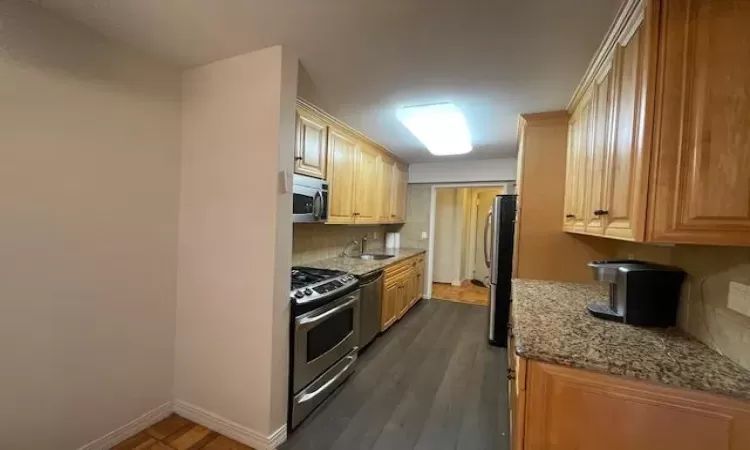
302	204
326	335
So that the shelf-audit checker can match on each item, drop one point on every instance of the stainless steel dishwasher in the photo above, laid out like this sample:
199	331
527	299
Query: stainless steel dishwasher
371	290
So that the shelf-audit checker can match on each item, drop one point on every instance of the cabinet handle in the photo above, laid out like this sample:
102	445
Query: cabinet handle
511	374
298	158
570	216
355	214
601	212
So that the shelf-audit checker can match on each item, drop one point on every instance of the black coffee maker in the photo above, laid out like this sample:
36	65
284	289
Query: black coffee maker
640	292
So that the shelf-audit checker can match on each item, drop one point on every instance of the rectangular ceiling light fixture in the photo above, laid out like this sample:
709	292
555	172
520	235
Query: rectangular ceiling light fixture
440	127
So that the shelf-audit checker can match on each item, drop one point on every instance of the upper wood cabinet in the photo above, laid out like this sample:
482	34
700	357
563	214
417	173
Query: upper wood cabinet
398	193
367	184
668	96
342	151
701	173
310	149
385	181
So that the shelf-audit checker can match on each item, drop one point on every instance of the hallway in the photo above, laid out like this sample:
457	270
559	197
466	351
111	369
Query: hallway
430	382
466	293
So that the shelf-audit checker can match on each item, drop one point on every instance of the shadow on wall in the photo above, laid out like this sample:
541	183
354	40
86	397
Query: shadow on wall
47	42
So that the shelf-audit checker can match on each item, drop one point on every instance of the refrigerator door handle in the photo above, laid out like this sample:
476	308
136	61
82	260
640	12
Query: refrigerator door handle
487	250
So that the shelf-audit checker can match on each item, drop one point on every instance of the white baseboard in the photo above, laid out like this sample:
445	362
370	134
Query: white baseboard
131	428
229	428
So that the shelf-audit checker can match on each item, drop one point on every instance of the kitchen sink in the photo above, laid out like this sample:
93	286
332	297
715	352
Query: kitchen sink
371	257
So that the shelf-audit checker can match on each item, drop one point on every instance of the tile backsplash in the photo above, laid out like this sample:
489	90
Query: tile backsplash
314	241
703	306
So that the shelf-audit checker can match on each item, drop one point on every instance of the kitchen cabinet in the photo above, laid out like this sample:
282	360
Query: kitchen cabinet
701	172
367	184
385	180
342	151
555	407
403	289
311	145
669	160
398	193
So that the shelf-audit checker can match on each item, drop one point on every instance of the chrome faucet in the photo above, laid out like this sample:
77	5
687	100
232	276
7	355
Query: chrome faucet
343	252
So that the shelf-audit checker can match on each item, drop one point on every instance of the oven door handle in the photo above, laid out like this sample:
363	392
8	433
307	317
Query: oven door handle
311	395
309	322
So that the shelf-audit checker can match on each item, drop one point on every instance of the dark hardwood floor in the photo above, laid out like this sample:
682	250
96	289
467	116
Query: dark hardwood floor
430	382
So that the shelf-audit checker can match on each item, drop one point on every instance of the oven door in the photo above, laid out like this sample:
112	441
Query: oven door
323	336
309	203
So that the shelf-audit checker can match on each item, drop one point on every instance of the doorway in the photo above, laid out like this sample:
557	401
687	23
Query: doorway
456	265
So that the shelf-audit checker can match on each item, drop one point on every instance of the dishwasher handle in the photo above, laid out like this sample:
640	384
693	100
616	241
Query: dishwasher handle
370	279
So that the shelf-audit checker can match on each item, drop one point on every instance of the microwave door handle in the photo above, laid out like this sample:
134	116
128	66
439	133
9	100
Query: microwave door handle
487	252
309	322
318	214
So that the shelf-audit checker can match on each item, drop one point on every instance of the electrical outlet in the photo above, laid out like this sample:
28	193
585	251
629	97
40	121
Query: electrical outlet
375	235
631	256
424	235
739	298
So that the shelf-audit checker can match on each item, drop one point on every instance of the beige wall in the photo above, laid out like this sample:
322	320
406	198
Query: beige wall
314	241
89	151
235	238
417	216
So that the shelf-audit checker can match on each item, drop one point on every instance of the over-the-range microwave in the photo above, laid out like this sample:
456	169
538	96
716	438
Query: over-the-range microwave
310	202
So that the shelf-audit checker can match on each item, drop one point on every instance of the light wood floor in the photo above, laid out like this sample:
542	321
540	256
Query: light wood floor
177	433
466	293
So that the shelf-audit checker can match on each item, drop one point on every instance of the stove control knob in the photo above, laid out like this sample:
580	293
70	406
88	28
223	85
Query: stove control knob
308	291
299	294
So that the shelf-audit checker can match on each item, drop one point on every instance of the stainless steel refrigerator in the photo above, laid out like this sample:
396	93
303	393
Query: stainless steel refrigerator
498	254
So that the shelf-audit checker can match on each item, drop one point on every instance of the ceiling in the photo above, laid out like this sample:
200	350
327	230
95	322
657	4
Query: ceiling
495	59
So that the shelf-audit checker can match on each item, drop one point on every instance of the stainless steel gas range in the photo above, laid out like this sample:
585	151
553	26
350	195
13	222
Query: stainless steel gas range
323	336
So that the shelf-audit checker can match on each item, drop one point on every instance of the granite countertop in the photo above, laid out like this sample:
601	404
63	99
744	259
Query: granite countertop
361	267
551	324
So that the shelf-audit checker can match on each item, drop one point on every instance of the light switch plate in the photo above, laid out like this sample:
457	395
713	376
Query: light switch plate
739	298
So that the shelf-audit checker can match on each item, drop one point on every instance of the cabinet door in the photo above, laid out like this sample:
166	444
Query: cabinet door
398	192
366	185
624	205
601	115
420	281
391	296
342	151
385	179
571	174
310	151
701	178
577	409
583	169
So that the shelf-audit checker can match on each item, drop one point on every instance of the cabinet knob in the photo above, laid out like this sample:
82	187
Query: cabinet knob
570	216
511	374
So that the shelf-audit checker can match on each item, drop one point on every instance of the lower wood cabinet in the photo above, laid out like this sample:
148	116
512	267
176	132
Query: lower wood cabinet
403	287
559	408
